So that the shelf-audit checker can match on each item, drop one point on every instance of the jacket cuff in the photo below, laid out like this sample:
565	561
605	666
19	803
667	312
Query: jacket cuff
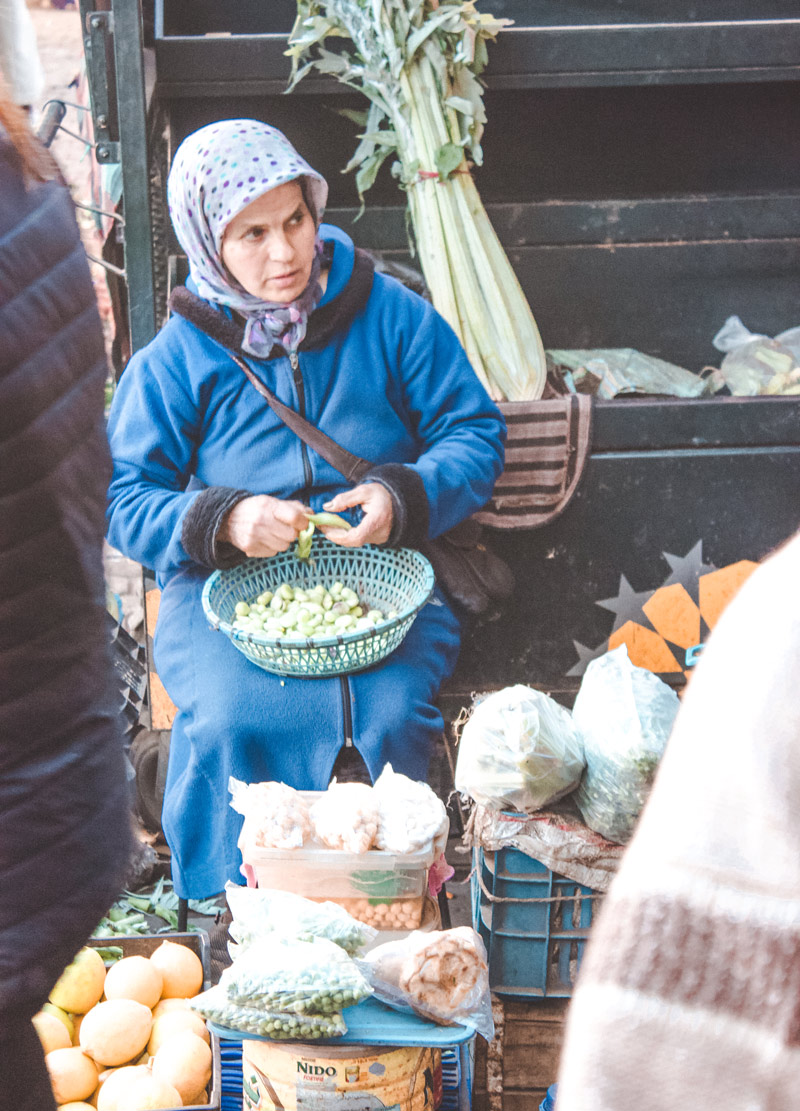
201	525
409	500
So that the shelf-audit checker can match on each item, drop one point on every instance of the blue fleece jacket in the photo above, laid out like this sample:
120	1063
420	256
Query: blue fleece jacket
390	382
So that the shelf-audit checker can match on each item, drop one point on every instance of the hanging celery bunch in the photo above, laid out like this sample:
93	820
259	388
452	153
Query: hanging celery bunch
418	61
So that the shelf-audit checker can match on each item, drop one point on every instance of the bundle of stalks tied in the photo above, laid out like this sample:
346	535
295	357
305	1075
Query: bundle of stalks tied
418	63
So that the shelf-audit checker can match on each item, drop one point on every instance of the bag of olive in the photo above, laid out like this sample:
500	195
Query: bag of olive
297	977
275	1025
262	912
625	714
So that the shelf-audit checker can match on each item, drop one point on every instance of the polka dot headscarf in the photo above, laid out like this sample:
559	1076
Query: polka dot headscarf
217	171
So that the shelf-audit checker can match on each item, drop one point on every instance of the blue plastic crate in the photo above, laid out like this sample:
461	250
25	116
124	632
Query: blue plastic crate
535	941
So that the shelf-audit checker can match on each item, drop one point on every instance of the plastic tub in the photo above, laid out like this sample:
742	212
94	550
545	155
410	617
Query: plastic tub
385	890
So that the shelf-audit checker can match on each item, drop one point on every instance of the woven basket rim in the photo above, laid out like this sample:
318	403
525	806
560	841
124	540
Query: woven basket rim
284	644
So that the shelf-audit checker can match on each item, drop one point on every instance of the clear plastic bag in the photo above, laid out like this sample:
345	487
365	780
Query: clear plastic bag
520	749
411	815
275	1025
442	975
756	364
260	912
625	714
298	977
346	817
275	815
621	371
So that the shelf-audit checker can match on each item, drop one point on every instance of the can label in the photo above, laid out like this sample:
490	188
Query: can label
279	1079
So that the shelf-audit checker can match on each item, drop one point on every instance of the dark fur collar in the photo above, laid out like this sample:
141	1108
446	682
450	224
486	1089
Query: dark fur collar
324	323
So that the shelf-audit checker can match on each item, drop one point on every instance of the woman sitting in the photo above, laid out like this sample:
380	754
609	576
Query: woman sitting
206	475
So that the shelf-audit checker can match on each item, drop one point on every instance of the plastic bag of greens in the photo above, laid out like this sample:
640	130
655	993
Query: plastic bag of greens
625	714
275	1025
300	977
260	911
520	749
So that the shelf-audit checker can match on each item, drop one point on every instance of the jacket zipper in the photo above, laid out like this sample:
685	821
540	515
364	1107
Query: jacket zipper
297	374
347	711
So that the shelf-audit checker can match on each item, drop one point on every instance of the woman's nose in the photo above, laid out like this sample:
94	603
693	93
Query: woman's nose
280	248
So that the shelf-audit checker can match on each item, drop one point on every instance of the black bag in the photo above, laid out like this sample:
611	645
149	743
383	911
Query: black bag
471	575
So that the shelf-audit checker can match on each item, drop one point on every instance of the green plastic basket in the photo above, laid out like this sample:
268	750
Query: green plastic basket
387	579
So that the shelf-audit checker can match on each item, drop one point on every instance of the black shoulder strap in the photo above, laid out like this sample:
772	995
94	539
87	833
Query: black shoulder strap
225	332
353	467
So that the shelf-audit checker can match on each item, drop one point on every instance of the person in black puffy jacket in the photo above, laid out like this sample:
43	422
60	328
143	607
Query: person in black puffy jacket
64	803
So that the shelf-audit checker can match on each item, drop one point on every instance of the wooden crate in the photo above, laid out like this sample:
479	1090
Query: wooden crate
515	1071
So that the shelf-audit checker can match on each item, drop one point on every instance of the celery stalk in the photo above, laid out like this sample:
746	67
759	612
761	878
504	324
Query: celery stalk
418	62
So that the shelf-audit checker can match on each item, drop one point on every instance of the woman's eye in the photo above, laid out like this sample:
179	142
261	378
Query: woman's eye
254	233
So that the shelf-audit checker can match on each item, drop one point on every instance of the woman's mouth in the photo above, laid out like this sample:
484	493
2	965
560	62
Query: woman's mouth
284	279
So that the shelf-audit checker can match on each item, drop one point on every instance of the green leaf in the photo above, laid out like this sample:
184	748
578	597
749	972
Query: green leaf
110	953
460	104
357	117
448	158
205	906
365	178
139	902
433	23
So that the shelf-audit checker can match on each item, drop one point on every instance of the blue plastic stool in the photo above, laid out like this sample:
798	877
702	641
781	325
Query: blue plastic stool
549	1101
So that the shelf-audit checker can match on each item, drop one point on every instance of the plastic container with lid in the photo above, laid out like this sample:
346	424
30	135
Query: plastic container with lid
386	890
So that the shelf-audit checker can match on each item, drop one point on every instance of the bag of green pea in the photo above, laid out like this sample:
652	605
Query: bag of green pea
275	1025
299	977
260	912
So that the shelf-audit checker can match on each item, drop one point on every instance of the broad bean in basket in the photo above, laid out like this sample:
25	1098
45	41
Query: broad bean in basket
306	612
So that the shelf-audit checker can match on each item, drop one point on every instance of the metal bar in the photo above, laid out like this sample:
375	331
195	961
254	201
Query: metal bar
80	138
101	212
128	55
97	28
67	103
52	115
107	266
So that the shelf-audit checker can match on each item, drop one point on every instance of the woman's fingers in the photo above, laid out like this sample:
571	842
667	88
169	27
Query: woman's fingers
263	525
291	513
376	524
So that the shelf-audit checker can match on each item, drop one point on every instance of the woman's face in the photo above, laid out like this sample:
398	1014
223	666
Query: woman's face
269	246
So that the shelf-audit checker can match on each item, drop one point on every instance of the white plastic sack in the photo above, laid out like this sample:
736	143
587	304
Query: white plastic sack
520	749
275	815
625	714
442	975
346	817
757	364
411	814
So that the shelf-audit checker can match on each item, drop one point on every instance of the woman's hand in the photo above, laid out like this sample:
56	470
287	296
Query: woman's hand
376	524
262	525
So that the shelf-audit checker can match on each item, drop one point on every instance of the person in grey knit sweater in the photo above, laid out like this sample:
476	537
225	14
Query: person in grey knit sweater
689	995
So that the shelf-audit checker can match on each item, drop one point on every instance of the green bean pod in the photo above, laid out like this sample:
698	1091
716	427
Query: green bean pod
329	520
